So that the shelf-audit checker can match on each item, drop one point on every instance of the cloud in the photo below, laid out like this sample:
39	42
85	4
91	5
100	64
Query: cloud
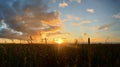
22	18
75	24
103	27
63	4
51	28
90	10
58	33
53	1
71	17
82	22
117	16
78	1
6	32
87	21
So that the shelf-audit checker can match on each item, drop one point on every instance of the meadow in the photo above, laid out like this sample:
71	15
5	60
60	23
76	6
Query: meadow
72	55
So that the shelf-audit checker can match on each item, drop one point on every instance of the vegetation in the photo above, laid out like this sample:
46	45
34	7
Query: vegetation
41	55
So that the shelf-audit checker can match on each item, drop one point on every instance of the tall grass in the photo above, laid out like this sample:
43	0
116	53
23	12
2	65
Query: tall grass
41	55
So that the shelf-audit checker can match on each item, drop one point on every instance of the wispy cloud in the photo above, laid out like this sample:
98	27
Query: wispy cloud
82	22
78	1
53	1
117	16
75	24
71	17
103	27
58	33
63	4
87	21
90	10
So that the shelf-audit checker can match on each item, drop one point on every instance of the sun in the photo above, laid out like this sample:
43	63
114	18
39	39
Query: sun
59	41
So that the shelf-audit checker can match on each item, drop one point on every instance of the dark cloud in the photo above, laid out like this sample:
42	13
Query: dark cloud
26	17
104	27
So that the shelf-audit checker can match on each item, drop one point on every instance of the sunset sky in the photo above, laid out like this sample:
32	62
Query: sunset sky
61	19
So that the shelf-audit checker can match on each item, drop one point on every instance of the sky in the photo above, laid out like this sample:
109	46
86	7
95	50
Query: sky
60	19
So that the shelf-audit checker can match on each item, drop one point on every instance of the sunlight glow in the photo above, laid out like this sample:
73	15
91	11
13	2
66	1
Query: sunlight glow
59	41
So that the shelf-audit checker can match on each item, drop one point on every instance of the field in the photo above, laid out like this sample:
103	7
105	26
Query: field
41	55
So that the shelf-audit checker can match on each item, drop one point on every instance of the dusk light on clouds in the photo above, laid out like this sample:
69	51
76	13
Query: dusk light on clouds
67	19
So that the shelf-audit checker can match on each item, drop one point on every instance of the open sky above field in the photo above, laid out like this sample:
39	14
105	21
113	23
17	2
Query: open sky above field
60	19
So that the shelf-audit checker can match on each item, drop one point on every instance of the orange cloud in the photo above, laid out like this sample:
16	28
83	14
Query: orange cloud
32	17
